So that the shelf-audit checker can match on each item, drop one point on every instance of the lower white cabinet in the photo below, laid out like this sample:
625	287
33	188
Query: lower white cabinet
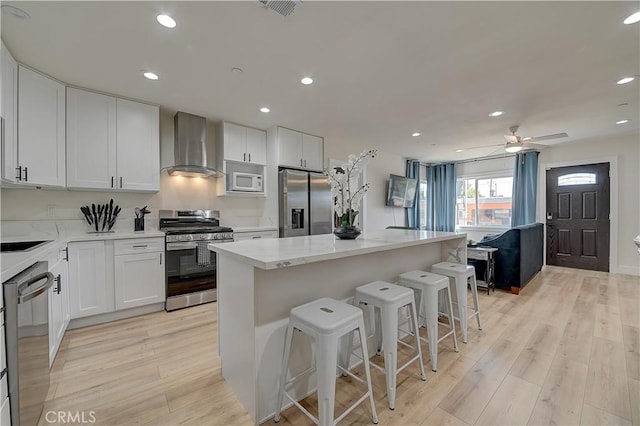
139	279
90	288
5	416
254	235
59	313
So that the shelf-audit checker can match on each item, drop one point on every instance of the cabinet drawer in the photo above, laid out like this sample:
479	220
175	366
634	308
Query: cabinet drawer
138	245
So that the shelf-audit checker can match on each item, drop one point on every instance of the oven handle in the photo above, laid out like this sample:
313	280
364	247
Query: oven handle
48	276
181	246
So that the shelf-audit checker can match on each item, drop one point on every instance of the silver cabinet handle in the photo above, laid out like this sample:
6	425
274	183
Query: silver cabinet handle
305	163
141	246
244	156
249	157
301	162
161	258
256	237
120	181
19	173
112	181
59	284
26	176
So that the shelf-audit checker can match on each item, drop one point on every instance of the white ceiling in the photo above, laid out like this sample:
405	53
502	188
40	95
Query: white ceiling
382	70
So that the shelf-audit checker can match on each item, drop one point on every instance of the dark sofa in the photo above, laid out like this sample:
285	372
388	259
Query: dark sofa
519	255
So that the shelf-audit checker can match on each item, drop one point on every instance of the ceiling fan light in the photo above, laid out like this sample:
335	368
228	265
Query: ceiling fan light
632	19
513	148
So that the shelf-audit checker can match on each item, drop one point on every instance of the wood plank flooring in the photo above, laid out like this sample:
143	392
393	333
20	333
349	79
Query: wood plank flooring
565	351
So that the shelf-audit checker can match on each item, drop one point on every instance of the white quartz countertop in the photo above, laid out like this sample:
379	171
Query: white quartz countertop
58	234
283	252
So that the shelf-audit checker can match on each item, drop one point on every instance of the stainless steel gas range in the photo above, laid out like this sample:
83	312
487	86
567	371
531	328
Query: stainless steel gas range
190	265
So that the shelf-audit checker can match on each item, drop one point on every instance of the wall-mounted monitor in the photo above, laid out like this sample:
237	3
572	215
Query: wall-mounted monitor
402	191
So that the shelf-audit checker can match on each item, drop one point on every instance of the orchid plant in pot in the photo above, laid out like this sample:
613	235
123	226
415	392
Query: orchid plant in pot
347	192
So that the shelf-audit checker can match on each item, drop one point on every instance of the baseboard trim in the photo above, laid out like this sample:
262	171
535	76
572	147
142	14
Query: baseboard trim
628	270
114	316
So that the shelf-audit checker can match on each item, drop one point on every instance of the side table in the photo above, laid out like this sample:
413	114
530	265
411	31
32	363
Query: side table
487	254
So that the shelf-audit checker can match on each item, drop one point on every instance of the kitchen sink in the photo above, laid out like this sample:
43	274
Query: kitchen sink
21	246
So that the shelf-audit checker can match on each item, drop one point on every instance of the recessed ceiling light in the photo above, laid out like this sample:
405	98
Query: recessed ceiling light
264	109
622	121
150	76
459	150
414	134
626	80
306	81
632	19
15	12
236	70
166	21
496	113
623	104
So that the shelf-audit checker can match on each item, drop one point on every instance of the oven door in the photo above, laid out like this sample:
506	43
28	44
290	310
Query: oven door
190	268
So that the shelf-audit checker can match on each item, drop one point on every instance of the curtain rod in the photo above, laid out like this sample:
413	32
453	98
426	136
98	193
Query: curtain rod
470	160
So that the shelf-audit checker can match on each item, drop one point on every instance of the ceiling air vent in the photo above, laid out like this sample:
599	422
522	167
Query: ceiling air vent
284	8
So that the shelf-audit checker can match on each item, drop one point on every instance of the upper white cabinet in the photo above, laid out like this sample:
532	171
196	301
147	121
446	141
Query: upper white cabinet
243	144
138	154
91	140
297	149
41	129
111	143
8	112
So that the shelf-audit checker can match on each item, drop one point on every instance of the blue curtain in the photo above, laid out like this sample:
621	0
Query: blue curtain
441	197
412	217
525	187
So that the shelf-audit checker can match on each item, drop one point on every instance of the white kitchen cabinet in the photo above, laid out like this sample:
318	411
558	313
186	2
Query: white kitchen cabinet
139	272
299	150
91	140
59	314
91	292
41	129
254	235
5	416
138	151
243	144
111	143
8	112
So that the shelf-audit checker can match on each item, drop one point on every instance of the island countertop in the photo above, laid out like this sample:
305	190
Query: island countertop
274	253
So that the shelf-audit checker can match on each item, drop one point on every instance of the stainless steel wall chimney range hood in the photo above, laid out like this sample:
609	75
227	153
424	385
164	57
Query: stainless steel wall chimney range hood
191	146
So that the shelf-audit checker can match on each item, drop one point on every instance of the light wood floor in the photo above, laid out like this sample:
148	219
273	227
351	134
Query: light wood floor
565	351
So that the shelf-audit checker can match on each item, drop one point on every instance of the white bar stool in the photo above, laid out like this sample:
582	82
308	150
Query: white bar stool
386	299
460	273
326	321
427	287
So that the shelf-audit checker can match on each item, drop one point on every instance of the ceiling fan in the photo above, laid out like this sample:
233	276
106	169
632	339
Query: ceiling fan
515	143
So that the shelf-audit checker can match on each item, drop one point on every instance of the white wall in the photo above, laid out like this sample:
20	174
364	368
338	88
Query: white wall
175	193
626	151
376	214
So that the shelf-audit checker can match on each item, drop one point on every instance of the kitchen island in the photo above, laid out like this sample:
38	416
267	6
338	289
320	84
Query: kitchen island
259	281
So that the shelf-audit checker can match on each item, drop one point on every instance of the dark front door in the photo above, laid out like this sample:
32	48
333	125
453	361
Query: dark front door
578	217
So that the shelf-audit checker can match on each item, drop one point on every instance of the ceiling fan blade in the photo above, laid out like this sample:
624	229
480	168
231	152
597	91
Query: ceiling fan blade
548	137
484	146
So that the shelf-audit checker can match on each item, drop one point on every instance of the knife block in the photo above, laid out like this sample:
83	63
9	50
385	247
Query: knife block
138	224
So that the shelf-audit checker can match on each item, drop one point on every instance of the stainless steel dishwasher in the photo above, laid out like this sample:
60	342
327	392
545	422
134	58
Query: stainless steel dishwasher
26	302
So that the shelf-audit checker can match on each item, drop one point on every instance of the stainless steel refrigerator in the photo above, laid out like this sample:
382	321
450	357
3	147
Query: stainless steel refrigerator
305	204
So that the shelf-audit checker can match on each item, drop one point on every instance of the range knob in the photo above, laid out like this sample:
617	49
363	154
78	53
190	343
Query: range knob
179	237
188	237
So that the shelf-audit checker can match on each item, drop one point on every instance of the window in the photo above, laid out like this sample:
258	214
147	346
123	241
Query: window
577	179
484	201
